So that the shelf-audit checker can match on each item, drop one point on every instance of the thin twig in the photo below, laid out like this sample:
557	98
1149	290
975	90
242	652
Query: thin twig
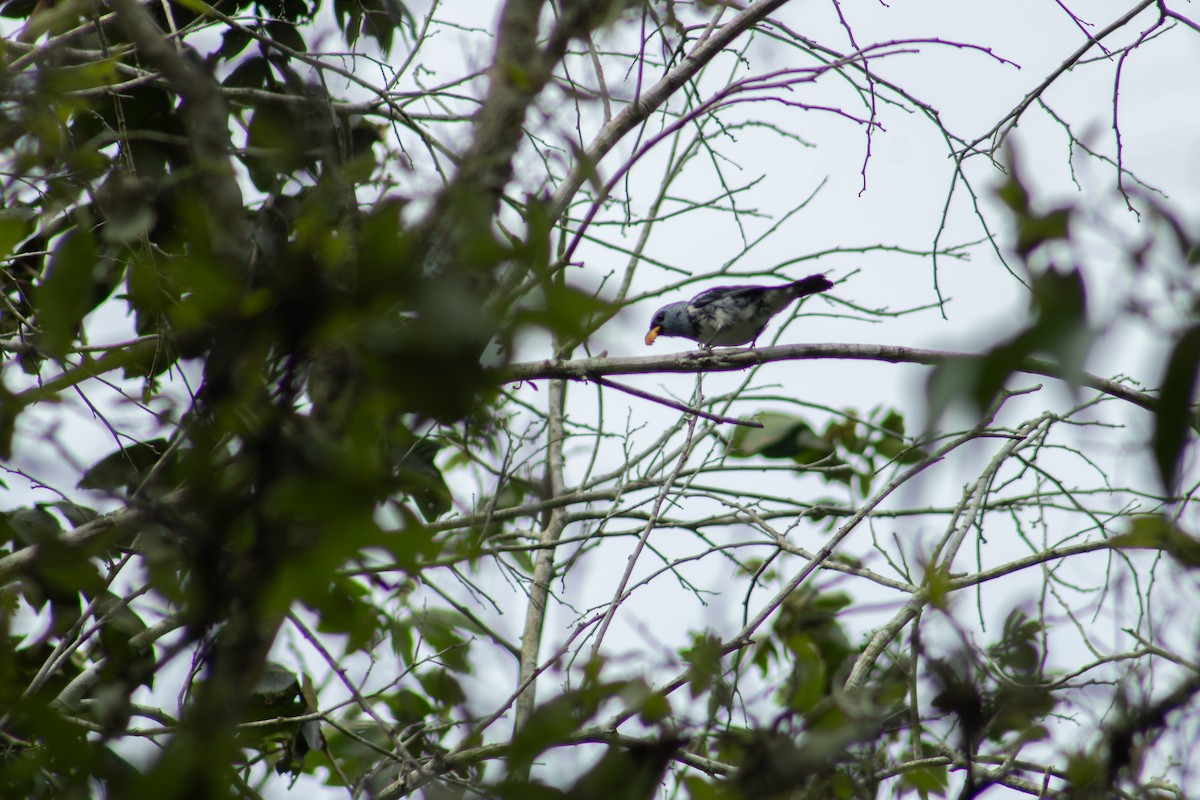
675	404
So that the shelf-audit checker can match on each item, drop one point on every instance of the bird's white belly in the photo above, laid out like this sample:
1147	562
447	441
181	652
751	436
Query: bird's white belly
726	328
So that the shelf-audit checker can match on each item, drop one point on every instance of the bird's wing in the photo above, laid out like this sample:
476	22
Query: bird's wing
719	292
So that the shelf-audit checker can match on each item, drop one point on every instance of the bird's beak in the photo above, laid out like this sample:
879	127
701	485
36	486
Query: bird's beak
653	334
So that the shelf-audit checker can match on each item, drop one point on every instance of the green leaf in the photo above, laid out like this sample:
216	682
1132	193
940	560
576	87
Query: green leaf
1037	229
441	629
1175	416
550	723
1145	531
1013	193
442	687
233	42
408	707
1157	532
1086	775
809	677
286	35
64	297
1018	649
277	685
9	409
632	772
1061	329
346	608
273	131
382	18
655	708
136	664
252	73
564	310
893	423
926	780
781	436
124	469
15	227
32	525
418	477
277	694
1033	229
700	789
704	662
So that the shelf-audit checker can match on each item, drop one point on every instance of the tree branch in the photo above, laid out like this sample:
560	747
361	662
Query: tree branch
650	100
543	571
732	359
207	120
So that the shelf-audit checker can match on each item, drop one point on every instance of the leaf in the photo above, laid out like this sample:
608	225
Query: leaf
233	41
1036	229
700	789
441	629
136	664
381	18
807	683
1145	531
64	297
125	468
925	780
33	525
1157	532
1175	414
253	73
1061	329
1018	649
286	35
277	690
15	227
418	476
747	442
564	310
443	688
632	772
550	723
704	662
273	131
781	436
1033	229
893	423
408	707
345	608
9	409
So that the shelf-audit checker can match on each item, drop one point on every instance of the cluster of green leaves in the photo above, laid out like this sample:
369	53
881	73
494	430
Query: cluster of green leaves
327	355
851	450
340	349
821	741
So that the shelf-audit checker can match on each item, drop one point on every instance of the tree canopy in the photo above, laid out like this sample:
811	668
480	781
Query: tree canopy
329	465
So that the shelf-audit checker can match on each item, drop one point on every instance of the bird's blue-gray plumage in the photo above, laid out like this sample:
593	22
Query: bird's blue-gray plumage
727	316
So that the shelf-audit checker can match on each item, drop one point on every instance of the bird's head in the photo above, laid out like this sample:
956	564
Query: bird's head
670	320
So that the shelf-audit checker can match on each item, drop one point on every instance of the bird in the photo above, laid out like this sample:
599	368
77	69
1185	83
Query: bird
728	316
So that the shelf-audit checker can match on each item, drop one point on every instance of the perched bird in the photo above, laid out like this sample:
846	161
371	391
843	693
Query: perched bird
728	316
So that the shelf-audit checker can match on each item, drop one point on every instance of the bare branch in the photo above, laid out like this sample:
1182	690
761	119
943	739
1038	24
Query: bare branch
733	359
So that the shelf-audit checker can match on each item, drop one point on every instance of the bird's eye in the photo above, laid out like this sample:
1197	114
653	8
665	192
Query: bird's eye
658	318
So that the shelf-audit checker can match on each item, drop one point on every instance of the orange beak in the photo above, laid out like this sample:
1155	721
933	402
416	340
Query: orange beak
653	334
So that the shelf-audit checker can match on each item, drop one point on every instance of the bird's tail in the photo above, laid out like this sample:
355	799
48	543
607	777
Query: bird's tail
813	284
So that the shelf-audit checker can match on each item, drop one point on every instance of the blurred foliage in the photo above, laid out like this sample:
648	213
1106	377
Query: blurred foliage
851	450
339	348
1059	327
